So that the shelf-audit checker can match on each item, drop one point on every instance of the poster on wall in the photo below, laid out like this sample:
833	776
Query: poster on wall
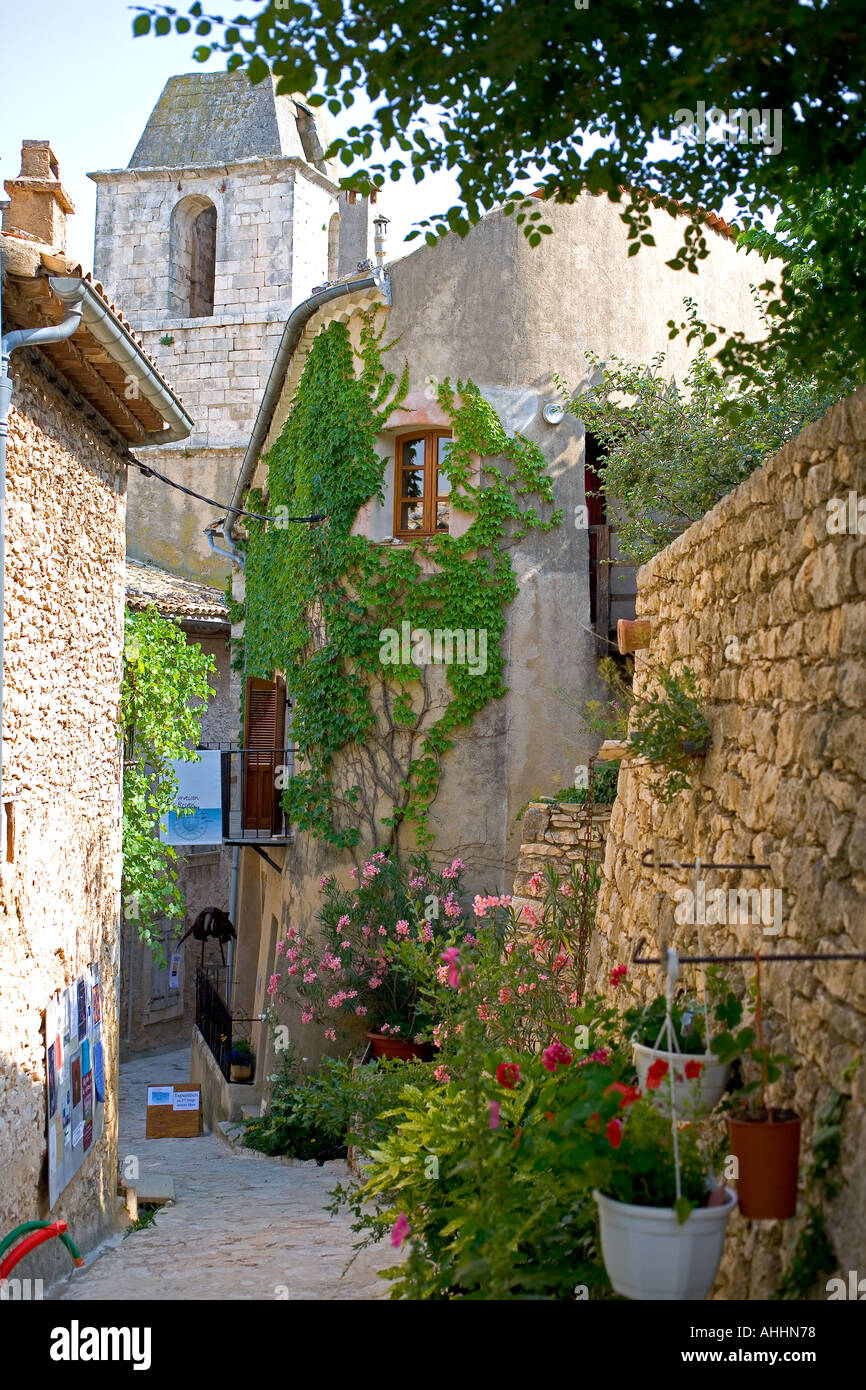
75	1077
198	817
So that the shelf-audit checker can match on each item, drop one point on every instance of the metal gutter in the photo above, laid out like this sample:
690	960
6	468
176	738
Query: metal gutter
125	352
295	325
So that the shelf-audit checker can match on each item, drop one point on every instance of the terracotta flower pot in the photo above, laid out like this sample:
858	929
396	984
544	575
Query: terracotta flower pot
384	1046
240	1072
767	1163
632	634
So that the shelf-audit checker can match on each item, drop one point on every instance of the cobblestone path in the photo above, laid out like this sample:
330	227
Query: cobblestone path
242	1227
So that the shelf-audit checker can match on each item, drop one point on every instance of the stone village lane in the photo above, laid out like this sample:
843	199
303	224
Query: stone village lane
242	1226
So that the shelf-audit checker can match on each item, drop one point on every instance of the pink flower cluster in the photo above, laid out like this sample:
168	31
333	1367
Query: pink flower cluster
481	905
456	867
402	927
556	1056
451	957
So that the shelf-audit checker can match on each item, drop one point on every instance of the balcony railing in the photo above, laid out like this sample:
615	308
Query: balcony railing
253	782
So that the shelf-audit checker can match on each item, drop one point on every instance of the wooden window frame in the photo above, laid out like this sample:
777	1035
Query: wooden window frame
430	497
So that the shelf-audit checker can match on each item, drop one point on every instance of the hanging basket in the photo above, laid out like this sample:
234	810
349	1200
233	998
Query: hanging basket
649	1254
691	1098
768	1158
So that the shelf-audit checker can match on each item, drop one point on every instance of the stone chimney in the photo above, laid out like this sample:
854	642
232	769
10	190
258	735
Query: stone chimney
38	203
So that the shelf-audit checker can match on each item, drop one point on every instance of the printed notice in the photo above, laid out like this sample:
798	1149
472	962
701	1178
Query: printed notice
77	1135
185	1100
160	1095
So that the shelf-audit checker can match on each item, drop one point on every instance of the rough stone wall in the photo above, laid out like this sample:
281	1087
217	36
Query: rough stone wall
60	893
556	835
767	604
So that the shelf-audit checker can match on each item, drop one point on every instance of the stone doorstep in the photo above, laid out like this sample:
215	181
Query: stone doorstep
155	1190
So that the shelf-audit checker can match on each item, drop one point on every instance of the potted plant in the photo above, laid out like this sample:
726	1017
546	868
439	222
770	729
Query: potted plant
765	1139
241	1060
671	729
654	1244
695	1079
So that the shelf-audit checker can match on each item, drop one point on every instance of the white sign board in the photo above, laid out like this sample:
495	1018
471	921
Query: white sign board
200	800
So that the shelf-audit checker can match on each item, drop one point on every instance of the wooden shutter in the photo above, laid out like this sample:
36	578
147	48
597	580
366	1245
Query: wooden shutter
264	752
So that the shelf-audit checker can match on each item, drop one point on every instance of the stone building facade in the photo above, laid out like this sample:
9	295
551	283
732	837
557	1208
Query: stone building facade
77	408
225	218
765	599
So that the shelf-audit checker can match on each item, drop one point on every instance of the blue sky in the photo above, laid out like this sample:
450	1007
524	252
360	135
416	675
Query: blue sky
72	73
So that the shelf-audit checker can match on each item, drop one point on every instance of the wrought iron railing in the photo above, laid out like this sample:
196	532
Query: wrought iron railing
253	782
213	1020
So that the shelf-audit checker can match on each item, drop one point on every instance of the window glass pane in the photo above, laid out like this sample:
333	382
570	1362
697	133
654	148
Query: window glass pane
412	516
412	482
441	516
412	454
443	449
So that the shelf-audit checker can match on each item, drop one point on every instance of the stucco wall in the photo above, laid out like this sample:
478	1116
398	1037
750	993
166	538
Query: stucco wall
768	606
508	316
59	897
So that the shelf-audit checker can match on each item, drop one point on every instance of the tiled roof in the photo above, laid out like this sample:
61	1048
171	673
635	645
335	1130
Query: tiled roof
29	303
173	596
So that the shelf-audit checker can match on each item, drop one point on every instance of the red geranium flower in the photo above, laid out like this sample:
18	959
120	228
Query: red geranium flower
614	1133
629	1094
508	1075
693	1070
618	974
656	1074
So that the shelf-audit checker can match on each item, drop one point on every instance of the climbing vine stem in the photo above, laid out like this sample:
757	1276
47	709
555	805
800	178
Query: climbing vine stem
319	598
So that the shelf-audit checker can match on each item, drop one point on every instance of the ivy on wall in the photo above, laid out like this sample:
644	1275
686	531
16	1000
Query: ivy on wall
318	597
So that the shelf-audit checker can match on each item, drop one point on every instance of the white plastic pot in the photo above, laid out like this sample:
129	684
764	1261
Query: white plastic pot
693	1098
649	1254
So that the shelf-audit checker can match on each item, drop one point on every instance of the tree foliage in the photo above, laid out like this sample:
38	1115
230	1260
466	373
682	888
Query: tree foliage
528	93
165	688
672	451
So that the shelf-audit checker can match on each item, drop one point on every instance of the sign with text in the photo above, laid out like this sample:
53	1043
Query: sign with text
197	818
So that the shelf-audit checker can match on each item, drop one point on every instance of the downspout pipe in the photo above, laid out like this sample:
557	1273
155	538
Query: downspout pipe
295	325
9	342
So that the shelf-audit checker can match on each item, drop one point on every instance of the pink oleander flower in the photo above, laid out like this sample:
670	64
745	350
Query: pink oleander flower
556	1056
310	976
441	1074
273	984
292	970
531	915
281	946
307	1016
535	883
374	981
402	927
324	880
484	1012
292	953
425	932
345	921
618	974
346	946
506	994
470	940
382	931
400	1230
418	1039
566	890
442	972
493	1107
361	1011
365	932
451	956
292	934
330	1035
353	873
371	870
417	881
